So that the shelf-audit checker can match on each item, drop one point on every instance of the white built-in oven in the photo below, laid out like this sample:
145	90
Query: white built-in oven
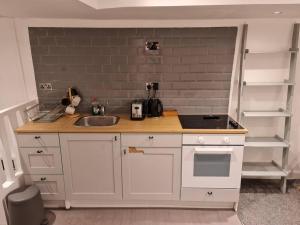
212	161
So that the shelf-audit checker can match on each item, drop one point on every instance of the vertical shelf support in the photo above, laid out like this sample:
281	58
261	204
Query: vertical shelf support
289	101
242	71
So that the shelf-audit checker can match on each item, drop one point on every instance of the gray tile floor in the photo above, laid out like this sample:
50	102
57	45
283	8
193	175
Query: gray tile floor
145	217
261	203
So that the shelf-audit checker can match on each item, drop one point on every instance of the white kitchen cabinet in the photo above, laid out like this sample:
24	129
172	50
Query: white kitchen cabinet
51	186
38	140
152	140
92	167
43	160
210	194
151	173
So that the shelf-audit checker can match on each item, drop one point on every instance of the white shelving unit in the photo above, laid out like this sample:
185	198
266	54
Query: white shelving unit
266	114
263	84
263	169
266	142
268	169
290	51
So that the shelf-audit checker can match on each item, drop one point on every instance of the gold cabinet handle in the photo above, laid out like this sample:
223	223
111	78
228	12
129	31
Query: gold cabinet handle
134	150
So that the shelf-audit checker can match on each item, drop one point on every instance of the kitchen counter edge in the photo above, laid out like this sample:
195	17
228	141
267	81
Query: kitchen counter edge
166	124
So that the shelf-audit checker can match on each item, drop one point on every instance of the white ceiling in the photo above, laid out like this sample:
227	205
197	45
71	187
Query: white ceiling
150	9
106	4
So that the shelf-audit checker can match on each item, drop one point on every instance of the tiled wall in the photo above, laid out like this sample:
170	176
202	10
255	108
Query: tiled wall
193	68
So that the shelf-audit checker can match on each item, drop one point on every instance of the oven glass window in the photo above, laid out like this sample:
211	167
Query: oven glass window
212	165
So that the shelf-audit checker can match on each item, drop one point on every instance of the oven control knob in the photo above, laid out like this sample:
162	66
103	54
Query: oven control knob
226	140
201	140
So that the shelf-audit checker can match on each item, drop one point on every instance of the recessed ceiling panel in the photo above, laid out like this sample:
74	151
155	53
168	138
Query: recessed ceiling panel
106	4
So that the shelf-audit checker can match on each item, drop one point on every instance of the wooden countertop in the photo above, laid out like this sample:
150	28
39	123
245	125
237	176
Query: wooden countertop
165	124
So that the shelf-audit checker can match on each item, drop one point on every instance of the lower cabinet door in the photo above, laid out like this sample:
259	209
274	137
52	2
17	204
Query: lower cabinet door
51	186
151	173
92	167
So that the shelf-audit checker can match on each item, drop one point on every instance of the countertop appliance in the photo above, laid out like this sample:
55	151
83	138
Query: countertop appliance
137	111
155	107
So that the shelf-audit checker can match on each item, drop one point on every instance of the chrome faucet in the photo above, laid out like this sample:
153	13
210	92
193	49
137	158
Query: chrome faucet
101	110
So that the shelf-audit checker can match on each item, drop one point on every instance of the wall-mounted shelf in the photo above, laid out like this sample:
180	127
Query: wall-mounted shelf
266	114
284	83
262	169
266	142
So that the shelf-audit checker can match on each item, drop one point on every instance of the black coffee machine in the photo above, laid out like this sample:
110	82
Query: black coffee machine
153	105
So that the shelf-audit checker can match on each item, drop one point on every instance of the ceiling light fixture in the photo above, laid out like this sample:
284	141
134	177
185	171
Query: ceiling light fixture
277	12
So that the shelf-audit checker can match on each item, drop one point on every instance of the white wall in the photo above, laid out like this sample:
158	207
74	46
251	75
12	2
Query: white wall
12	88
264	34
17	82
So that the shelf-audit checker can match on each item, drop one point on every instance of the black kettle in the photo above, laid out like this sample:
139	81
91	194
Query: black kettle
155	107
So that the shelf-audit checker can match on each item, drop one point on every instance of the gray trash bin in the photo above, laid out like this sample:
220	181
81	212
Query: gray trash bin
25	207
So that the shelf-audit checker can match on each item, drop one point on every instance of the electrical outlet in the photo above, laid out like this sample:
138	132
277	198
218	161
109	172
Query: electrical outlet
45	86
148	86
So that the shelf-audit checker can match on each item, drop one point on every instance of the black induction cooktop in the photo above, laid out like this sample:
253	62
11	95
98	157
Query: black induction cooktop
208	122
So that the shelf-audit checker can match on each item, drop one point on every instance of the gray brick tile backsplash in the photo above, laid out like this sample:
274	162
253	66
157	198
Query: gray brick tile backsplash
194	65
47	41
115	60
63	41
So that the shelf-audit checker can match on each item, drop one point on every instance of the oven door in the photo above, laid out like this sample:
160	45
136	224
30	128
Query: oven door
212	166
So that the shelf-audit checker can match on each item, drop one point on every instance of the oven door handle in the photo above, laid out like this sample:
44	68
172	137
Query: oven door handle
213	150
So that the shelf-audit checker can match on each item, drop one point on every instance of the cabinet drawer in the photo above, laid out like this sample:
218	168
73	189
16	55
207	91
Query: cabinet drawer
151	140
51	186
210	194
38	140
44	160
215	139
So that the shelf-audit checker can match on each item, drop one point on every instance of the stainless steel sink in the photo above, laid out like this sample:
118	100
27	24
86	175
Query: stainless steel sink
91	121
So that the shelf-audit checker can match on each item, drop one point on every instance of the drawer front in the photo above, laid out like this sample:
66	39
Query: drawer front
38	140
210	194
51	186
151	140
44	160
209	139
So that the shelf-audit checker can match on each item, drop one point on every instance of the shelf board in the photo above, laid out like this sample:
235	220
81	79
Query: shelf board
262	169
284	83
266	142
266	114
247	51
